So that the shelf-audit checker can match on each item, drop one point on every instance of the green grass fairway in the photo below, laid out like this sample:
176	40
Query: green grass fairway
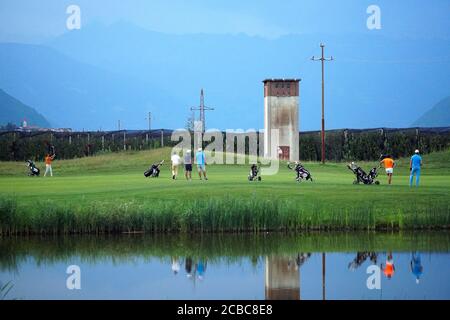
109	193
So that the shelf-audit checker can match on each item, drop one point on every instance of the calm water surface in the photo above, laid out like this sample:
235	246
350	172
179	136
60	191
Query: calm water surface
265	266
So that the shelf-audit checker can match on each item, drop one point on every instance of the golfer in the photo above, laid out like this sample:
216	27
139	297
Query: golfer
188	165
201	163
414	167
176	160
48	164
389	165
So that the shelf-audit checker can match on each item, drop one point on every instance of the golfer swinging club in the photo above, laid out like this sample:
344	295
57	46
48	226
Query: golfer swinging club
48	164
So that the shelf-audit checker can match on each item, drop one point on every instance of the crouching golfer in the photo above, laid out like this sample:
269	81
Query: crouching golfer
389	165
201	163
414	166
175	163
188	165
48	164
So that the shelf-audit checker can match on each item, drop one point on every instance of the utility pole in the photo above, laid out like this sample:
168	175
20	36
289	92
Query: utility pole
202	109
118	125
323	59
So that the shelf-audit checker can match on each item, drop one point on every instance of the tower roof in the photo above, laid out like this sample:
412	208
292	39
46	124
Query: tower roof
281	80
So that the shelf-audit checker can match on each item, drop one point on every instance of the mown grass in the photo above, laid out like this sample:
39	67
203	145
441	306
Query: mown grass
108	194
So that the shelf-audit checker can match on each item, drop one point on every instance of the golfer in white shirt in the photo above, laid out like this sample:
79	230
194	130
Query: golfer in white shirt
176	161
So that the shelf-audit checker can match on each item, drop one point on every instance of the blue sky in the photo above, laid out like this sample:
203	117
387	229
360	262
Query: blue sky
409	53
22	20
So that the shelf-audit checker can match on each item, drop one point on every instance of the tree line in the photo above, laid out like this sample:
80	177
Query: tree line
341	145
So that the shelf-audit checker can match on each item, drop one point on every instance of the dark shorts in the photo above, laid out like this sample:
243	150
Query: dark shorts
188	167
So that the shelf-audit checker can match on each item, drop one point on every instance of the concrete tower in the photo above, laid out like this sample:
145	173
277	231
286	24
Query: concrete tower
281	111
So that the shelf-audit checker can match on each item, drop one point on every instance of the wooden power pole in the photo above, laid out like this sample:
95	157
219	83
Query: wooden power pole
323	59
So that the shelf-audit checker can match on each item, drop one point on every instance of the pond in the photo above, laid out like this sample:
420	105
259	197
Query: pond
228	266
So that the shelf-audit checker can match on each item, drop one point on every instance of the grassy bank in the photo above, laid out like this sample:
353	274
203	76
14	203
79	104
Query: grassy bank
108	194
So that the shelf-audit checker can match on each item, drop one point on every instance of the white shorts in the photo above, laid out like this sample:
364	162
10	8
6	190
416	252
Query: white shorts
390	170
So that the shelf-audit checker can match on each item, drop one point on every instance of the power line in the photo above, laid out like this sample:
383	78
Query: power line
202	109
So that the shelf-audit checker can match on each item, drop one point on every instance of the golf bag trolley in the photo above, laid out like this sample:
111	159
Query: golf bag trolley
361	176
302	173
154	170
254	174
34	171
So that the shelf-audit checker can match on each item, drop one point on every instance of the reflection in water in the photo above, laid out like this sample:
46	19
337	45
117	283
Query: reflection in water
194	271
388	268
188	267
282	276
175	265
282	281
201	268
5	288
323	275
361	257
416	266
274	266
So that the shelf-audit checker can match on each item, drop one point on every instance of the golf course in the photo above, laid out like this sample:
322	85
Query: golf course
108	193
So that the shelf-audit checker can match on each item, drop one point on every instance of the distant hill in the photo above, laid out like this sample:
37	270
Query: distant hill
437	116
77	95
14	111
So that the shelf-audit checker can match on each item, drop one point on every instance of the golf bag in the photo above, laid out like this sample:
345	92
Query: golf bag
254	173
302	173
362	177
34	171
154	170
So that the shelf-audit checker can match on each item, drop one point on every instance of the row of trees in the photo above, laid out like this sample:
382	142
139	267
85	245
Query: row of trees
369	144
340	144
20	146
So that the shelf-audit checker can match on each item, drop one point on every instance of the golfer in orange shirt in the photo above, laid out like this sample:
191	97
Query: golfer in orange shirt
48	164
389	165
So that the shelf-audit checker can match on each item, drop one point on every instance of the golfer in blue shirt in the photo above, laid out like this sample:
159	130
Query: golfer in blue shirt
414	166
201	163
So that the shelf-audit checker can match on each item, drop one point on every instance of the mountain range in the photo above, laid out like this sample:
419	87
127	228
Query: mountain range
437	116
15	112
93	77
